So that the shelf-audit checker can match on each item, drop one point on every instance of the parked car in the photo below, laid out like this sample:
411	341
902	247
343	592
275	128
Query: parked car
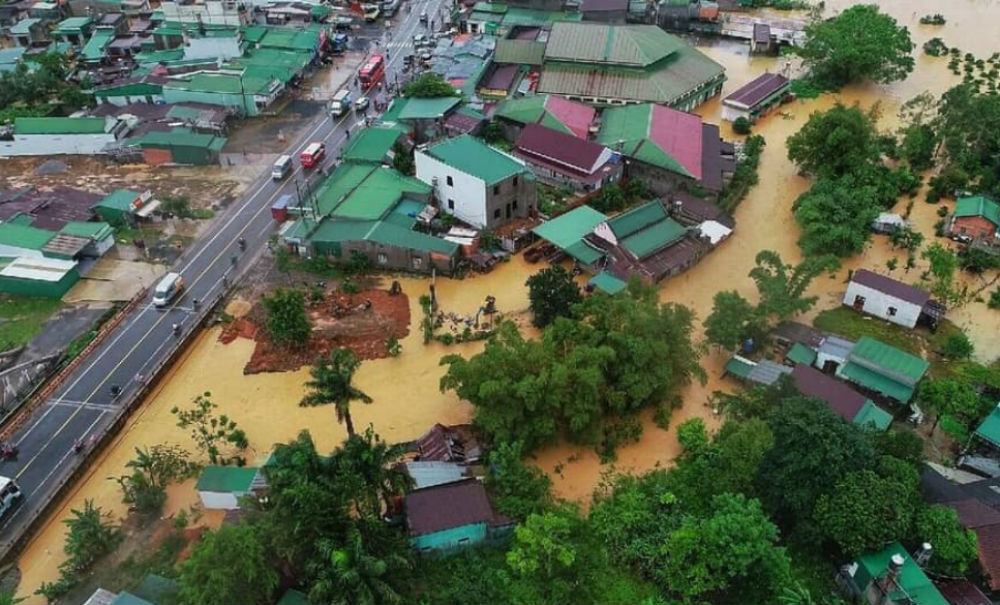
423	17
361	105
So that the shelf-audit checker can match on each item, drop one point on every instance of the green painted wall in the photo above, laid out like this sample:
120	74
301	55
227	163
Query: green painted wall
450	539
45	289
173	95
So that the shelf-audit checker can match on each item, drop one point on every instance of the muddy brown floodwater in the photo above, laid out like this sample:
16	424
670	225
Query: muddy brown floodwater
405	388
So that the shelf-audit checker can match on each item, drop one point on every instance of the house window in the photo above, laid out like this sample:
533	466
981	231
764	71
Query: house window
383	259
514	204
496	213
451	183
451	204
892	311
859	302
463	541
515	181
418	262
496	189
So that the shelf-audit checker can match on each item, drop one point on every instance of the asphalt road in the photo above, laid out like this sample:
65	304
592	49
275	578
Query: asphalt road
83	407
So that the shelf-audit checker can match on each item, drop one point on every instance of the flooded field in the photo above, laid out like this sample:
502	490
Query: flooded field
405	389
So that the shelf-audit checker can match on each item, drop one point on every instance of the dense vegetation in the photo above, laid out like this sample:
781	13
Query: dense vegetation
585	378
38	89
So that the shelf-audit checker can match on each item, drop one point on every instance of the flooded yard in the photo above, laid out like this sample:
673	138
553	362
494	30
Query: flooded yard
405	388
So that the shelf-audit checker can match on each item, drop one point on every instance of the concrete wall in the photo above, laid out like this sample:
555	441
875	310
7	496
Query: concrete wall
882	305
465	197
49	144
125	100
661	182
212	12
449	539
558	179
511	198
394	257
219	500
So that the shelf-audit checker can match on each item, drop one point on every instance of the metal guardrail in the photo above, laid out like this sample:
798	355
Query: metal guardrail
131	400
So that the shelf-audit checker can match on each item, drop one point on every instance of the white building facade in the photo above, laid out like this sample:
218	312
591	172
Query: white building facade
458	193
885	298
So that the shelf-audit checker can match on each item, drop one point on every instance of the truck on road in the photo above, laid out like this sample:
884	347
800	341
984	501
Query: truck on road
340	103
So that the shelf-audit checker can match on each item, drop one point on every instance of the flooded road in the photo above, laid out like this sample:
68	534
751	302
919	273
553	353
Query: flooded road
405	389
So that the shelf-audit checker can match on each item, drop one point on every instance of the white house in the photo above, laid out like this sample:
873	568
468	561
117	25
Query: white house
833	353
221	487
885	297
479	185
58	136
208	12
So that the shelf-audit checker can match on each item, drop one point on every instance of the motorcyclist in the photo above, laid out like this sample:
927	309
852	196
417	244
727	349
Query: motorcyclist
242	243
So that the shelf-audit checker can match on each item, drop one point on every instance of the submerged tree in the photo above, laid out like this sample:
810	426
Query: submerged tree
353	575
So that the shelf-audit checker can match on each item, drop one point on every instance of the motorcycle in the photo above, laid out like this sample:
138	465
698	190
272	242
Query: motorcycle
8	451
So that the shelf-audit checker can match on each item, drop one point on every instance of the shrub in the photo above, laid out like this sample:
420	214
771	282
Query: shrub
742	126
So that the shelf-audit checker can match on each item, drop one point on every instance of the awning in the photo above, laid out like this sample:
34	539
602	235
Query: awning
148	209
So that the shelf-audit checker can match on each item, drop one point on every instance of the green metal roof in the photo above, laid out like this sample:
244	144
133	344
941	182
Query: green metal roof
738	367
24	26
914	582
800	353
181	137
160	56
373	144
344	179
978	205
531	110
568	229
119	199
516	15
99	40
490	7
221	83
870	415
989	429
427	109
226	479
377	194
59	125
381	232
342	231
23	236
254	33
877	382
73	25
631	221
472	156
889	358
93	230
289	38
628	129
583	252
653	238
632	45
608	283
293	597
520	52
127	598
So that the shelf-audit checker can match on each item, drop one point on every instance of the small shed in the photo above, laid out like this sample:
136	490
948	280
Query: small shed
832	353
885	297
452	516
122	206
181	146
99	235
756	98
42	277
762	42
221	487
883	369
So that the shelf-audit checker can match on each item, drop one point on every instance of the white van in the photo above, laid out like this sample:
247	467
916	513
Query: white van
9	492
282	166
339	103
167	289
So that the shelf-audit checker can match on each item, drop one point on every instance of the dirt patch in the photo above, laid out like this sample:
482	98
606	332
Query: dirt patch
362	322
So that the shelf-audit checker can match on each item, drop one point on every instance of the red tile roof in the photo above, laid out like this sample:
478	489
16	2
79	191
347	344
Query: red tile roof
433	509
842	399
972	513
758	89
989	553
575	116
562	149
680	135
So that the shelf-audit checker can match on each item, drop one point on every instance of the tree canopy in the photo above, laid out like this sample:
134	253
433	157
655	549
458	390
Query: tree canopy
624	353
860	43
552	293
228	565
330	382
428	86
954	546
733	319
287	321
835	142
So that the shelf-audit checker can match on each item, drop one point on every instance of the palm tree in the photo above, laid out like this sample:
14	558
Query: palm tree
331	383
375	462
354	575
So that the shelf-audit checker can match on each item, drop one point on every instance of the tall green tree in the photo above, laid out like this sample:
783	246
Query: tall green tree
943	265
836	215
330	382
228	565
967	123
813	450
951	397
860	43
287	321
835	142
544	553
218	437
731	549
782	286
733	319
352	575
428	86
865	511
955	547
552	293
375	464
516	489
152	470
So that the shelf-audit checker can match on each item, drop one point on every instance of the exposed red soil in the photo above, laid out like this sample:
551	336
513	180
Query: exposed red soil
361	322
